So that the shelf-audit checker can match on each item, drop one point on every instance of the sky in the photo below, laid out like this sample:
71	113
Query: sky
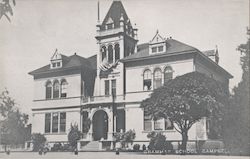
38	27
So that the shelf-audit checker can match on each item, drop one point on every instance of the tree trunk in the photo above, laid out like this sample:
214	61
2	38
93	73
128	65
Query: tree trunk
184	141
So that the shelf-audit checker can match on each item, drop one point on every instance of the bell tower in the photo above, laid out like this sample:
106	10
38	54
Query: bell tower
116	39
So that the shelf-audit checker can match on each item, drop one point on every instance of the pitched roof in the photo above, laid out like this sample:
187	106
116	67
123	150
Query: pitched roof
73	61
114	14
172	46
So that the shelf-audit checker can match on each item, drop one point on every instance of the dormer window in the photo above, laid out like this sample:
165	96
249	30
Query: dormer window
160	48
154	49
56	60
157	44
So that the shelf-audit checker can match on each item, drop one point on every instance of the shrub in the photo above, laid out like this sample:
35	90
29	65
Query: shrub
74	135
38	141
125	138
158	142
57	147
136	147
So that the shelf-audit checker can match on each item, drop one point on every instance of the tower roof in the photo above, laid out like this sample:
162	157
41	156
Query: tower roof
116	11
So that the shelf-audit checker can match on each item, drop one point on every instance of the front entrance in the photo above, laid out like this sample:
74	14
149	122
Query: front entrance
100	125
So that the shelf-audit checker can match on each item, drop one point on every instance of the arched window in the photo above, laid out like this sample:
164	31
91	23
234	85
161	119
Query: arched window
56	87
117	52
157	78
168	74
64	88
48	91
110	54
103	51
147	80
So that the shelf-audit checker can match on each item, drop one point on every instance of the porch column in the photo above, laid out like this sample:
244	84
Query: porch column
110	125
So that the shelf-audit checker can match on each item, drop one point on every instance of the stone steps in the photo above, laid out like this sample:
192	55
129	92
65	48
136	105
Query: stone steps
91	146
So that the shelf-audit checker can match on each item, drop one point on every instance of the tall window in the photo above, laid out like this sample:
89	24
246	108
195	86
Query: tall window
54	122
168	124
47	122
159	124
106	83
104	55
110	54
64	88
147	80
56	88
168	74
62	122
147	122
58	121
113	84
117	52
48	90
157	78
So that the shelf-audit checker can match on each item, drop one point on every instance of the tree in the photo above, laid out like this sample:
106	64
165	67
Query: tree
38	141
74	135
237	132
5	8
185	100
12	122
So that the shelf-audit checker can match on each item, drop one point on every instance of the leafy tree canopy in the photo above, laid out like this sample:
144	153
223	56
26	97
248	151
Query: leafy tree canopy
6	9
187	99
12	121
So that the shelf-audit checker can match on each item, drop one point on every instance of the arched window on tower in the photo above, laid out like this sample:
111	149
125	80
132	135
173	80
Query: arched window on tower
110	54
117	52
168	74
147	80
103	51
48	86
157	78
56	87
64	88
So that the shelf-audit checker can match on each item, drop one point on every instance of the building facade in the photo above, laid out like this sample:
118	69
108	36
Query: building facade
107	88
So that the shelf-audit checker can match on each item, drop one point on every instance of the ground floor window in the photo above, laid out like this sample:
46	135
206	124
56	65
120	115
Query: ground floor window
55	122
159	124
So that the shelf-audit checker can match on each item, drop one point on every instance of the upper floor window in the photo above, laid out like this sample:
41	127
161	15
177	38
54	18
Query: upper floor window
117	52
64	88
160	48
103	51
157	78
113	85
106	84
56	88
154	49
168	74
48	90
147	80
110	54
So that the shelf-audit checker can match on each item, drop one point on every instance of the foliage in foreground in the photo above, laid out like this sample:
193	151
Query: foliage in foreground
74	135
158	142
187	99
38	141
13	127
125	138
